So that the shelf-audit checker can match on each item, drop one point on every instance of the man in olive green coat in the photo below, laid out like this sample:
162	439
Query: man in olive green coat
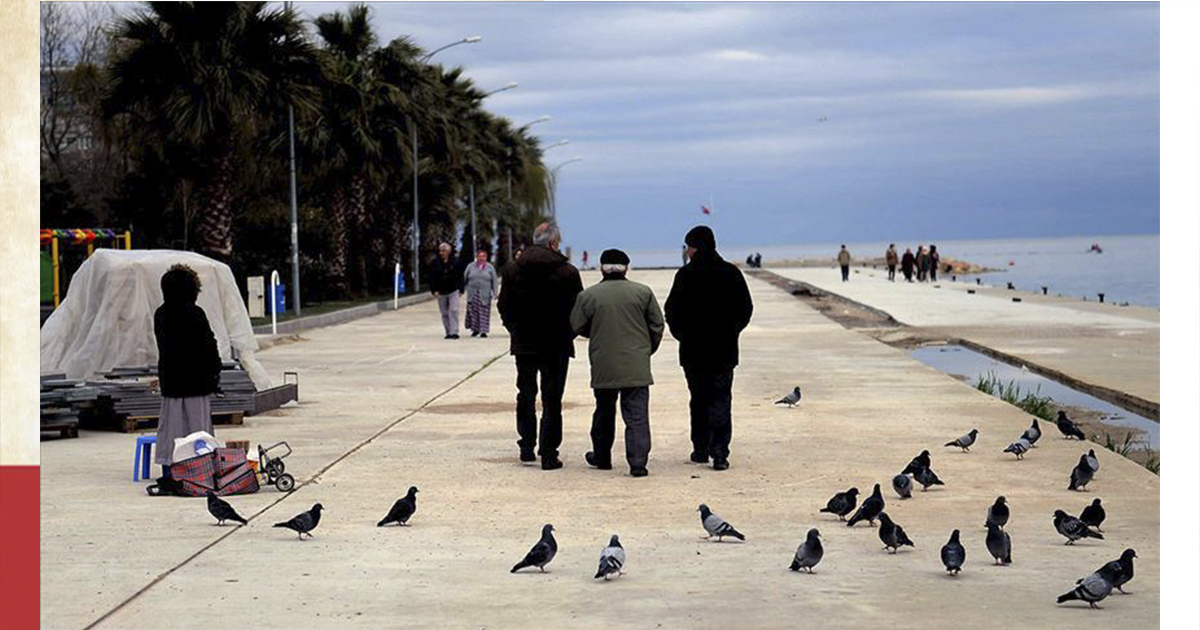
625	325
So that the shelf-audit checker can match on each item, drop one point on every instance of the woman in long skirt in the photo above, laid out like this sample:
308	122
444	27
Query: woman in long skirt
479	284
189	366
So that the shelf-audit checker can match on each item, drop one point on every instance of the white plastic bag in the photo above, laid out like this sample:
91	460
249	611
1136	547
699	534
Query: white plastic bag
198	443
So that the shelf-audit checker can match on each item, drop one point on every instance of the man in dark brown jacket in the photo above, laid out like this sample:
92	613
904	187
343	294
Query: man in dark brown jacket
537	294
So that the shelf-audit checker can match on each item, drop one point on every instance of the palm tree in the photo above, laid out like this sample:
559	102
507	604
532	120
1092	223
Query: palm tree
205	76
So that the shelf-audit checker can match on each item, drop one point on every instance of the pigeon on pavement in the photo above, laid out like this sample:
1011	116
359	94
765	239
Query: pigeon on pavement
891	534
918	462
1081	475
541	554
998	513
1093	515
869	510
842	503
1094	587
999	544
926	477
902	484
612	558
965	441
1093	462
1033	433
1019	448
304	522
1072	528
221	510
791	399
809	553
1068	428
1126	572
402	509
716	526
953	554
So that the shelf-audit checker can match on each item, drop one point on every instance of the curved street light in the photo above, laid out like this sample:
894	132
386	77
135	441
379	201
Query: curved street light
474	39
554	185
556	144
539	119
508	86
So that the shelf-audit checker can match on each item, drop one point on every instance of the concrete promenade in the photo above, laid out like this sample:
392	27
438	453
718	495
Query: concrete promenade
387	403
1114	347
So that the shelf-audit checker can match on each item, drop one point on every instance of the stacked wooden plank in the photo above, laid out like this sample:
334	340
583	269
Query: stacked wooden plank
63	400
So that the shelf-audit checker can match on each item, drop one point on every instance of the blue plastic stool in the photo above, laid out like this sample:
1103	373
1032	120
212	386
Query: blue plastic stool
141	455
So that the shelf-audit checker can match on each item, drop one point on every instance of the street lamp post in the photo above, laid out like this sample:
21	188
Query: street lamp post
416	231
554	186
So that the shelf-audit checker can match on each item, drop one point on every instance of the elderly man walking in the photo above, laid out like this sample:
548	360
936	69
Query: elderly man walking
537	293
707	309
843	259
445	282
625	326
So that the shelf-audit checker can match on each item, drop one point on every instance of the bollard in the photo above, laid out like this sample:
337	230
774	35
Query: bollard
1045	290
274	301
977	281
1011	287
970	291
953	278
396	288
1016	299
1101	297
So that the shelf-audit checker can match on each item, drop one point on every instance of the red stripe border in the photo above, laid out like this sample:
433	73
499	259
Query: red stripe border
20	546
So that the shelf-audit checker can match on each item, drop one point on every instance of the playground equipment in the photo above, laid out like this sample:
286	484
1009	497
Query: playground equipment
55	238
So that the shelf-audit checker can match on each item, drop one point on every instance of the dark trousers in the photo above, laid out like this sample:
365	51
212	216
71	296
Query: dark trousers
635	411
712	421
933	273
845	272
892	273
553	371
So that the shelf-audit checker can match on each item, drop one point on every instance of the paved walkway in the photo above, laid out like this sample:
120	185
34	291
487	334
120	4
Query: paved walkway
1101	344
442	414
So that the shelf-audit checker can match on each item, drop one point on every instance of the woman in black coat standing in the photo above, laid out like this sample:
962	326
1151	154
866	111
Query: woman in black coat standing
189	366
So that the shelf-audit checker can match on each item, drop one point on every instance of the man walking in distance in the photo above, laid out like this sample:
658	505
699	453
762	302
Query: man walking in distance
445	280
625	326
537	294
891	258
843	259
707	309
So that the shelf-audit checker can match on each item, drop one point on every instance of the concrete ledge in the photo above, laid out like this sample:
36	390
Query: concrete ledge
340	317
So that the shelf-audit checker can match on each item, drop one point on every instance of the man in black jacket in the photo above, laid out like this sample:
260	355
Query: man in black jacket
537	294
445	280
707	309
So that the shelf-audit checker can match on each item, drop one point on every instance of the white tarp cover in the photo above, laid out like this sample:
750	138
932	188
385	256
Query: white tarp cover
107	317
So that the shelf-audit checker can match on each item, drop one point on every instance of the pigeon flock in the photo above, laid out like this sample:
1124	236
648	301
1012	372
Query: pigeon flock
1091	589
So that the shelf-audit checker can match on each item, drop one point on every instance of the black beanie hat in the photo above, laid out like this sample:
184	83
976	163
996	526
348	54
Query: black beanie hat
701	237
614	257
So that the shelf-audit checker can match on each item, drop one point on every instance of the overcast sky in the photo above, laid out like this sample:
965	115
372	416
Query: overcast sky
819	122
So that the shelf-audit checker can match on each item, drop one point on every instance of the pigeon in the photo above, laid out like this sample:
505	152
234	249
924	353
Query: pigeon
926	477
1068	428
402	509
965	441
920	461
304	522
1081	475
809	553
221	510
1126	573
792	399
999	544
541	554
891	534
953	554
612	558
1093	462
1094	587
1072	528
842	503
870	509
1093	515
902	484
1033	433
1019	448
716	526
997	513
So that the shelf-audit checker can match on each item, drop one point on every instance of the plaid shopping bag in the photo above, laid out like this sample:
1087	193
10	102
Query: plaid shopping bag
228	459
196	475
240	480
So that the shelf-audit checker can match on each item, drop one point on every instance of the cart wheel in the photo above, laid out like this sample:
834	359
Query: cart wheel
285	483
276	466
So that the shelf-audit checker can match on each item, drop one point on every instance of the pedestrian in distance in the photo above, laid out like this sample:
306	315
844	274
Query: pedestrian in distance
891	258
189	365
907	262
922	264
445	282
536	297
843	259
707	309
624	326
934	260
479	287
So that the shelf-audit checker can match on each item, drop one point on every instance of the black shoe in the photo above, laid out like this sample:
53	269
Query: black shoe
484	335
474	334
454	336
528	456
551	463
720	463
638	472
447	337
699	458
591	460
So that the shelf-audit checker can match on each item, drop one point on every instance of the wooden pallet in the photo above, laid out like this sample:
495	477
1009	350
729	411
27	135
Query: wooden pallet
65	429
129	424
